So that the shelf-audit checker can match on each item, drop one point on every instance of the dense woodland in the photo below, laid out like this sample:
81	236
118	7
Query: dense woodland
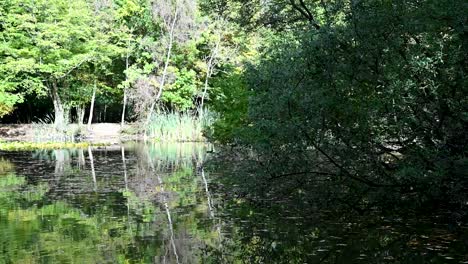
365	100
126	58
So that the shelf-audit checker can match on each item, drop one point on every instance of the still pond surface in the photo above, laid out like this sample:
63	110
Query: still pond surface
137	203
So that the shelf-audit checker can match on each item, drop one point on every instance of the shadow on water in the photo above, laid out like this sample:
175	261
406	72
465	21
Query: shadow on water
139	203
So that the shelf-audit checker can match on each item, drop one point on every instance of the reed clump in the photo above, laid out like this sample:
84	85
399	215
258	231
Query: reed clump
179	127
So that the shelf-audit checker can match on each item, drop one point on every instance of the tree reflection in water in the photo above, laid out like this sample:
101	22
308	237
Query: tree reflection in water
139	203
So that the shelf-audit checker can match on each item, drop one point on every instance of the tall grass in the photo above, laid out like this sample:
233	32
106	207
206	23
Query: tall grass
179	127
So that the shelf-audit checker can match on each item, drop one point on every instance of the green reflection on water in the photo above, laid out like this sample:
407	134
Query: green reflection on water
125	218
139	203
53	232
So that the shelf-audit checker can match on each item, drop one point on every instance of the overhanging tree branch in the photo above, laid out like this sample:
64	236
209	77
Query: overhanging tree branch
305	12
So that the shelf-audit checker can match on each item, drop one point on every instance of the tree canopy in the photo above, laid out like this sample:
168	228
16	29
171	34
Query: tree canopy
370	95
73	53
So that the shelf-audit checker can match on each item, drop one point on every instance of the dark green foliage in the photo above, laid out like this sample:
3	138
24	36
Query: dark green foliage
231	101
375	101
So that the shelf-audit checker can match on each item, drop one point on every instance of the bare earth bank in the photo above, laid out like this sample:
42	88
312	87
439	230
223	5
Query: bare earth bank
99	132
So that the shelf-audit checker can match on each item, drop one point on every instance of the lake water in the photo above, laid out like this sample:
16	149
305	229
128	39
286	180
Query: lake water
137	203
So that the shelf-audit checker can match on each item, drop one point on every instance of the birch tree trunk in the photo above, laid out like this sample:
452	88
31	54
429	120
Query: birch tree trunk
122	123
163	78
91	109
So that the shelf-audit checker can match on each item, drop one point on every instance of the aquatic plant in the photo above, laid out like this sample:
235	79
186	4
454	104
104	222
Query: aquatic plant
15	145
179	127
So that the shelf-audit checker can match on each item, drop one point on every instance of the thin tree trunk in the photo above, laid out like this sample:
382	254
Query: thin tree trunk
91	109
122	123
166	65
209	71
